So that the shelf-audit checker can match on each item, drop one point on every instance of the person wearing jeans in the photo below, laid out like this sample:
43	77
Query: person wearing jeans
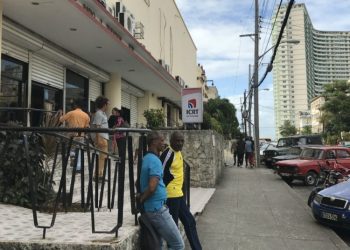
173	165
153	195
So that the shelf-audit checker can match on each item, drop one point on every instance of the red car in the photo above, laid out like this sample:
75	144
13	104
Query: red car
307	166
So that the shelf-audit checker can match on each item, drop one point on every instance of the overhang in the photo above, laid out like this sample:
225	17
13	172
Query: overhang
86	29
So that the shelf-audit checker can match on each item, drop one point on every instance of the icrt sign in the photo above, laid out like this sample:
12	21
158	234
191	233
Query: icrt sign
192	105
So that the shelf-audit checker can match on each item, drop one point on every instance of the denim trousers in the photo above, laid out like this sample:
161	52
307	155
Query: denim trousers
166	228
179	210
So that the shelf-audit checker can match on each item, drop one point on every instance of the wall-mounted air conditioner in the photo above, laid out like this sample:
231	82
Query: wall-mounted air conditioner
167	67
180	81
128	21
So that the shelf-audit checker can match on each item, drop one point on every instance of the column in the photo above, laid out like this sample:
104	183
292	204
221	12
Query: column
113	91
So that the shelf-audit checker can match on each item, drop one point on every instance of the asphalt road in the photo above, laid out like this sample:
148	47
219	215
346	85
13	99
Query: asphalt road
304	192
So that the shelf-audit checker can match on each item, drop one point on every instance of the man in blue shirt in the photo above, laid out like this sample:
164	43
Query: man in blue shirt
153	194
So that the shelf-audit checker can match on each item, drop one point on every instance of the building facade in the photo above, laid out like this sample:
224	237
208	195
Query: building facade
315	109
139	54
301	70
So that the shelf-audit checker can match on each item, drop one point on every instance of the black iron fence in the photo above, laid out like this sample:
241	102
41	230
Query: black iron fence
92	192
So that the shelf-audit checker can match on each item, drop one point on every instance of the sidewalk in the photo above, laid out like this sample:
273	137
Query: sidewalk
255	209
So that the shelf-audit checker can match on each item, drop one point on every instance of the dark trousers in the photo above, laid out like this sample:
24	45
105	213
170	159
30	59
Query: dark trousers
179	210
235	157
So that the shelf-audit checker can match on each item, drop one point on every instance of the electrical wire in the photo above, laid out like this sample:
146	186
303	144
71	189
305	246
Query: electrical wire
289	8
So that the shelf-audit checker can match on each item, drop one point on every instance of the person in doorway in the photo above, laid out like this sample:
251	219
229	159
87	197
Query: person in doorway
101	139
76	118
119	140
234	151
173	164
153	195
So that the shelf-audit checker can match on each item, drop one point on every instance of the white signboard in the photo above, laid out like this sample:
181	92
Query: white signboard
192	105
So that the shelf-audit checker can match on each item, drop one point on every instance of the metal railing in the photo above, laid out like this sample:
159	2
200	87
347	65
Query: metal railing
92	192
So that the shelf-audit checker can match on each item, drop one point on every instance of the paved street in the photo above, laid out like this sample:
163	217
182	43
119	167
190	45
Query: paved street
255	209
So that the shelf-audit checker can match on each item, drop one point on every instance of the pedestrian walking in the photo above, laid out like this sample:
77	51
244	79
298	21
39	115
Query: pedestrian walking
234	151
240	152
101	139
249	151
153	195
76	118
173	164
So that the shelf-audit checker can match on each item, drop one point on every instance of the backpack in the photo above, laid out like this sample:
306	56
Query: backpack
148	236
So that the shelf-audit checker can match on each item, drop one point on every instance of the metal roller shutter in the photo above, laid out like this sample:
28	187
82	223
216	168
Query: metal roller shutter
95	89
12	50
47	72
133	111
125	100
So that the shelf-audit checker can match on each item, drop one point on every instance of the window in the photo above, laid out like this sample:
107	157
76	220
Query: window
13	88
77	88
343	154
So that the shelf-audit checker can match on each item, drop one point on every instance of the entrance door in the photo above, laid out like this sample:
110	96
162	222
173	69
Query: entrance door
13	90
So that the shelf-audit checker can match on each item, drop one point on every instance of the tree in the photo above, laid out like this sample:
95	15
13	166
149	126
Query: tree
155	118
287	129
336	109
306	130
220	115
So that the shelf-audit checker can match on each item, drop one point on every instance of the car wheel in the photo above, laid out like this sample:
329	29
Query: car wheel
310	178
289	180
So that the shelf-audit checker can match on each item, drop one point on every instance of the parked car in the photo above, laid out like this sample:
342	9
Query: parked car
291	153
331	206
284	144
307	168
266	146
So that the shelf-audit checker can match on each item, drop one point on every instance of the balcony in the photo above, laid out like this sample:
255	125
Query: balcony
87	30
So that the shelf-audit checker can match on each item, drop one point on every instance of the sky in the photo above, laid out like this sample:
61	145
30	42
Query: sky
216	26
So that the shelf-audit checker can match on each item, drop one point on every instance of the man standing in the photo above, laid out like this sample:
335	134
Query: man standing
234	151
101	139
153	195
249	152
76	118
173	165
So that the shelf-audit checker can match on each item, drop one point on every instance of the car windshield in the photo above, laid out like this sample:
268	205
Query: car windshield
264	146
310	153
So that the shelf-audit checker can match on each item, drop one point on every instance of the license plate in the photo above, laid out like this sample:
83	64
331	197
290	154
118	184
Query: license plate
286	174
329	216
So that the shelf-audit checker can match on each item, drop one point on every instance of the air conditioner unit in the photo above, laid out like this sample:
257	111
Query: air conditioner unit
128	21
180	81
167	67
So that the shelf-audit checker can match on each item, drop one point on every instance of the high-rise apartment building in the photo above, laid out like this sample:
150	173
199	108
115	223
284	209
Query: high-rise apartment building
300	70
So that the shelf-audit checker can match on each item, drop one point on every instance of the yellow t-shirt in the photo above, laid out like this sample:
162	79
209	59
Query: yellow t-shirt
173	172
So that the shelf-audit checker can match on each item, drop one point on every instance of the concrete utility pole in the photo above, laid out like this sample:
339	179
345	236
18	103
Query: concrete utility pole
250	101
255	85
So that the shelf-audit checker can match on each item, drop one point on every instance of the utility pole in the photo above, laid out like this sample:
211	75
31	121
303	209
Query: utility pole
250	101
245	112
255	85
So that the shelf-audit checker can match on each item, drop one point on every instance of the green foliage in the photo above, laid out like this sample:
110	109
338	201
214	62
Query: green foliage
287	129
220	115
155	118
307	130
14	174
336	109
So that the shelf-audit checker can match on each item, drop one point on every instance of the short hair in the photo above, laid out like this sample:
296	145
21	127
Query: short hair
175	134
101	101
151	137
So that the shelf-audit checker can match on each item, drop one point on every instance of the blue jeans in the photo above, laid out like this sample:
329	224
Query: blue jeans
179	210
166	228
